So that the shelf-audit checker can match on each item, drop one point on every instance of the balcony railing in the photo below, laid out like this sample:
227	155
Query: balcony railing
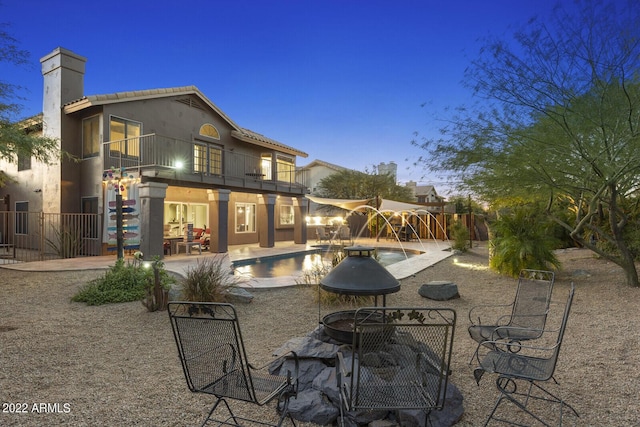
162	153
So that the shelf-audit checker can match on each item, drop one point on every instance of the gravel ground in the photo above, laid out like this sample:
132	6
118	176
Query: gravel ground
64	363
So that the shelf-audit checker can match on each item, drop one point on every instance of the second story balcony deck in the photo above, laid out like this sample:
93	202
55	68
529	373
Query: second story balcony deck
172	159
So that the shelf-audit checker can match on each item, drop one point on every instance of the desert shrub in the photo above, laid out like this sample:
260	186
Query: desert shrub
66	240
460	235
210	280
123	282
522	239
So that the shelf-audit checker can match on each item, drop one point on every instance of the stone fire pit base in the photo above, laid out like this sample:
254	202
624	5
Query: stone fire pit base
318	398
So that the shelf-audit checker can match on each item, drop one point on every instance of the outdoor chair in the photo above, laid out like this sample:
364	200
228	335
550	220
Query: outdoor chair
322	235
399	361
531	366
528	312
344	234
214	361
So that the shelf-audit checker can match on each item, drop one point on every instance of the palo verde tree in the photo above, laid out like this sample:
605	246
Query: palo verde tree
17	138
350	184
559	122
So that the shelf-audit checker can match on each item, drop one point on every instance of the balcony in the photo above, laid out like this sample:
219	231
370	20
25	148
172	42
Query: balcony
167	158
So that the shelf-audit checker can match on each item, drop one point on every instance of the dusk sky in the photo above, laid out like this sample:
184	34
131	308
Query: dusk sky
346	81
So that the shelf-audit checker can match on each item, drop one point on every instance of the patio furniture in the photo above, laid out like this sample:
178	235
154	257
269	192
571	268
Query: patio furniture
188	246
322	235
531	365
214	361
528	312
399	361
344	234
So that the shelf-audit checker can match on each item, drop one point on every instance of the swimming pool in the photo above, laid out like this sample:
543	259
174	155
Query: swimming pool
292	264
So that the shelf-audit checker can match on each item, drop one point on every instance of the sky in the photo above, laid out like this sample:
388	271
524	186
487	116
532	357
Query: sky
348	82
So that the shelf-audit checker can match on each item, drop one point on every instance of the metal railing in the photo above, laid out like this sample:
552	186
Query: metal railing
39	236
162	152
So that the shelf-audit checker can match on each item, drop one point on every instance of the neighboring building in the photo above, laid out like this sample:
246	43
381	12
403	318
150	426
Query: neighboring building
424	193
184	163
389	169
316	171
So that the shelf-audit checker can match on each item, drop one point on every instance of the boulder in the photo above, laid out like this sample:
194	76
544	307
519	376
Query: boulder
439	290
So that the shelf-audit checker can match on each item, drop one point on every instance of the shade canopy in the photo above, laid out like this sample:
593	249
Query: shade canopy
359	274
348	204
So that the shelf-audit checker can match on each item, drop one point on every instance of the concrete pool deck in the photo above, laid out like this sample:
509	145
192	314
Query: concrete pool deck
434	252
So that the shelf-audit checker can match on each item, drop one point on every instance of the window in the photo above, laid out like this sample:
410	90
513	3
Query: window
91	137
210	131
207	159
177	215
24	161
265	166
245	217
22	217
125	136
199	158
286	215
286	169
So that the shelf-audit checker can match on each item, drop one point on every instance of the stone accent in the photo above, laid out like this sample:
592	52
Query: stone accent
318	398
439	290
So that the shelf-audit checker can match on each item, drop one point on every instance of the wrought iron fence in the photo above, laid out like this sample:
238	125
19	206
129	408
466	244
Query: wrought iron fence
39	236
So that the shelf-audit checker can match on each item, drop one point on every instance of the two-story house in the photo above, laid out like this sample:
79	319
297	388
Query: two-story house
176	158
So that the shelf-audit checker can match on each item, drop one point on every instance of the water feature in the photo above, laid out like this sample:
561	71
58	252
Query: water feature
290	264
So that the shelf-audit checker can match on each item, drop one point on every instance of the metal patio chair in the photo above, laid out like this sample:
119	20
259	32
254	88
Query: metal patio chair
528	312
344	234
399	360
530	366
214	361
321	235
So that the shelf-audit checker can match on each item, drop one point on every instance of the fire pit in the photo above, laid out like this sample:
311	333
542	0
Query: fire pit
357	274
340	325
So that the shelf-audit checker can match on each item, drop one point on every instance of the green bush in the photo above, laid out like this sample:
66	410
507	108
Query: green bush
460	235
522	239
209	281
124	282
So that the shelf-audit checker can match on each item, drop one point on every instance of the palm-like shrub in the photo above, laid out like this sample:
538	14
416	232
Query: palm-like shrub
523	238
460	235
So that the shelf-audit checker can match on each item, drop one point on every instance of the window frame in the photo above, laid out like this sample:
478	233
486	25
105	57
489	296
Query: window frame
128	153
250	223
95	145
287	216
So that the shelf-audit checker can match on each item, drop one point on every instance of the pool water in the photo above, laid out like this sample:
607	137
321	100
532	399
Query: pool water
291	264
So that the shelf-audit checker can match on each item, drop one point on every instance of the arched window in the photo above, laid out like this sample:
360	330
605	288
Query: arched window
209	130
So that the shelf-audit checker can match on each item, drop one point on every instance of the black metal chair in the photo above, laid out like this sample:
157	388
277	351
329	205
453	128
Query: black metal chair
399	360
528	312
531	365
214	361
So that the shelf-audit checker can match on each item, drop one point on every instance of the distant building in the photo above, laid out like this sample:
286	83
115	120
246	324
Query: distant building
390	169
424	193
316	171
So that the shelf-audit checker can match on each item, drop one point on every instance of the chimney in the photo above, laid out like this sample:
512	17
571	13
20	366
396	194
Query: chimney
63	73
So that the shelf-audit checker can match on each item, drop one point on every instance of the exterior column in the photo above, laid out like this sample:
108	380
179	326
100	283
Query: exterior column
152	195
219	220
266	220
299	220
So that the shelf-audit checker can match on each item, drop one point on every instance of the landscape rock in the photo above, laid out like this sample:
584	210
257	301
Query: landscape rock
439	290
